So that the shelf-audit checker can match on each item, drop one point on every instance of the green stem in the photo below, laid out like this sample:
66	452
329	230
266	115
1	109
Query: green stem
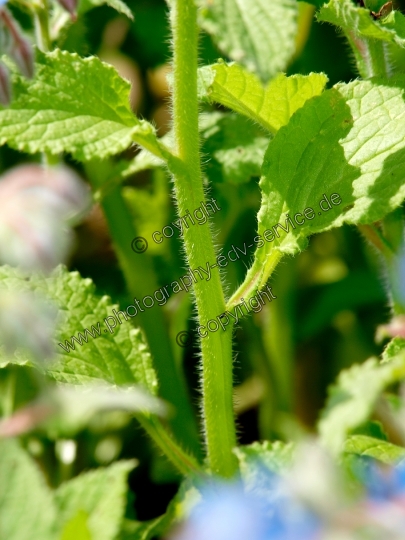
219	425
256	278
183	462
140	277
372	56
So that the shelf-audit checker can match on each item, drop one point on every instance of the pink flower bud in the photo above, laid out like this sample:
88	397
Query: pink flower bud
5	86
69	5
38	206
14	44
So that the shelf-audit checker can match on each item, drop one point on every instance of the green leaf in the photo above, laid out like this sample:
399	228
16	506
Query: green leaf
358	20
73	105
260	35
384	451
27	510
101	494
271	106
121	7
235	147
348	143
352	399
121	357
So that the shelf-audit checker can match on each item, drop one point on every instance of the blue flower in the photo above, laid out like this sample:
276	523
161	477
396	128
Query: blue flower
227	512
384	484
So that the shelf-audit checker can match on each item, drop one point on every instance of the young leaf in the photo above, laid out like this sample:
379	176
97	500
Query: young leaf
384	451
73	105
120	357
101	495
271	106
27	509
259	35
348	143
353	397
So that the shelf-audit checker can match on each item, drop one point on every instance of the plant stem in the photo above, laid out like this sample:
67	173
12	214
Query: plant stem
140	277
371	56
256	278
219	425
183	462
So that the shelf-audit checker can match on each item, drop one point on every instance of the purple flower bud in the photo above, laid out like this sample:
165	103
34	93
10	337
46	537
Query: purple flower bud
69	5
38	205
5	86
14	44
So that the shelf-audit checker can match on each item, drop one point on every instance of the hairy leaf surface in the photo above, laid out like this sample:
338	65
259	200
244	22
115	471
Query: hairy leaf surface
350	141
256	33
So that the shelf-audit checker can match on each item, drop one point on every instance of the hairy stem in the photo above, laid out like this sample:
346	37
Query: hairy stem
256	278
219	426
140	277
184	463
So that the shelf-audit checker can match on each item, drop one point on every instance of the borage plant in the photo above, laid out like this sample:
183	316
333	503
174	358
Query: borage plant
325	157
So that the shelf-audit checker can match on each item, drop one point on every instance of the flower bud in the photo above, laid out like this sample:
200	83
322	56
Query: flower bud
69	5
14	44
38	205
5	86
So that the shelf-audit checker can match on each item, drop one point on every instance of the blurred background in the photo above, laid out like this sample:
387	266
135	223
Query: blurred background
330	298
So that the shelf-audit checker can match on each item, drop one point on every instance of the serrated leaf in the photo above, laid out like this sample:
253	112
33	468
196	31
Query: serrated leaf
357	20
384	451
73	105
352	399
27	510
271	106
121	7
350	143
260	35
101	494
118	358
